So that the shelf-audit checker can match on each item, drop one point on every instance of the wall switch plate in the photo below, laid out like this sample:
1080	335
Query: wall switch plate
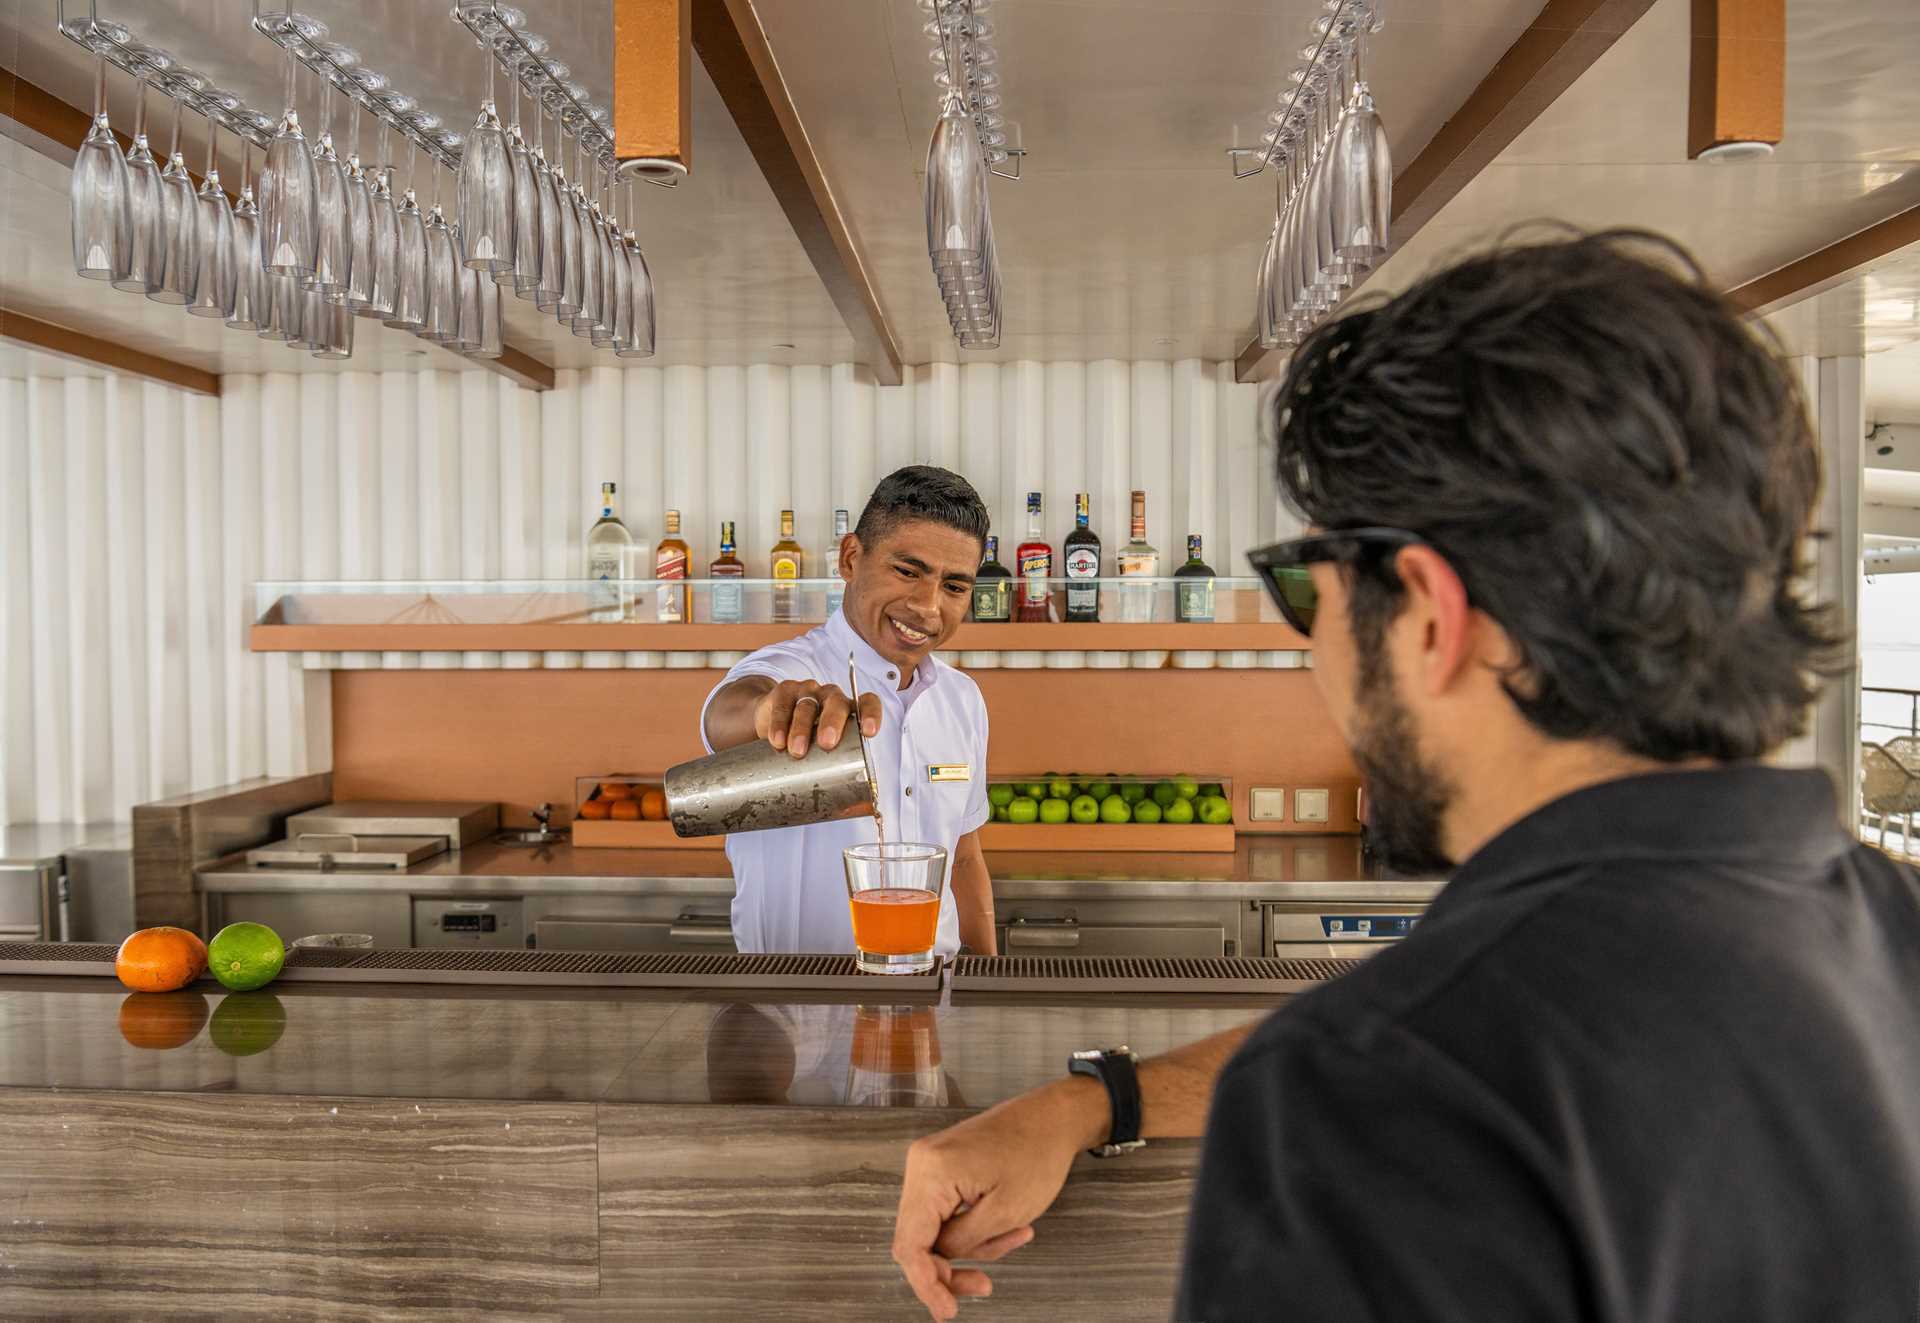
1309	806
1269	804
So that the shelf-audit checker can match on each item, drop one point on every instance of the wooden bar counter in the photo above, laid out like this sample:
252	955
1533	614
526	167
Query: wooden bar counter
385	1151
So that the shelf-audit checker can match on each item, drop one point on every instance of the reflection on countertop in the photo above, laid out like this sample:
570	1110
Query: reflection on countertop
599	1046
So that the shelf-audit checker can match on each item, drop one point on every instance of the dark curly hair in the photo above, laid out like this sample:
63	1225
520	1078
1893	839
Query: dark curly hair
1619	468
921	491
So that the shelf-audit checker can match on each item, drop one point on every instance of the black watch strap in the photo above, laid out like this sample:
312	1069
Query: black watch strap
1116	1068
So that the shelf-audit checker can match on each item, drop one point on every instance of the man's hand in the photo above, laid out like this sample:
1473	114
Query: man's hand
1004	1167
796	714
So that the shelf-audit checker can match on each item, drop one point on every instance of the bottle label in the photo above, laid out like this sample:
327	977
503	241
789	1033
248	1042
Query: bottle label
729	600
1132	565
786	567
1036	568
670	565
1083	563
604	566
1194	602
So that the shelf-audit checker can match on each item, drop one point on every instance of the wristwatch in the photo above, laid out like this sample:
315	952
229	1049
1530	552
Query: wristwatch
1115	1067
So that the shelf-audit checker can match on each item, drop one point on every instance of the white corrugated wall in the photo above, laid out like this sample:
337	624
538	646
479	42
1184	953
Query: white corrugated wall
134	519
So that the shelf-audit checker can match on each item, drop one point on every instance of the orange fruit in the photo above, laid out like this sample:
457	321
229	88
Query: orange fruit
615	790
626	810
596	808
653	804
160	959
162	1019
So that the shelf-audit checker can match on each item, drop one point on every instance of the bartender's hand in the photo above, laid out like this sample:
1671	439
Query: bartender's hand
797	714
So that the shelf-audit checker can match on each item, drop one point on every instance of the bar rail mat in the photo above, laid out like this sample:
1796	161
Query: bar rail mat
1257	975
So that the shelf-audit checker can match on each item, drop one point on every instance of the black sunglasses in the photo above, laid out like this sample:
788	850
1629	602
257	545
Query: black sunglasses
1283	571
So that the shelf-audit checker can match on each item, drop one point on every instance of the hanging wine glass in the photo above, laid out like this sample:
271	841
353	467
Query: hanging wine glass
384	243
410	282
280	321
249	296
311	334
335	339
148	253
490	345
1363	184
179	208
609	269
550	294
484	200
443	290
333	255
622	279
99	193
289	196
640	337
213	219
586	311
524	276
359	291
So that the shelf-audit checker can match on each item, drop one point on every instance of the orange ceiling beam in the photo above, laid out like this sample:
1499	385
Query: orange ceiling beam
653	81
1737	87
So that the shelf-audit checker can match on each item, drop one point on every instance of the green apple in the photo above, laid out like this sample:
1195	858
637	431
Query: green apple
1213	788
1000	796
1164	793
1024	809
1085	809
1181	810
1146	811
1186	787
1059	789
1133	792
1053	810
1214	810
1115	809
1034	790
1100	789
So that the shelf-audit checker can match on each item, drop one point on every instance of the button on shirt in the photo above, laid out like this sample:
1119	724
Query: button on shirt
790	890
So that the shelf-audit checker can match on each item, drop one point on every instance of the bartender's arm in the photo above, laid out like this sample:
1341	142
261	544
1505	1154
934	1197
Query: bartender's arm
973	896
788	714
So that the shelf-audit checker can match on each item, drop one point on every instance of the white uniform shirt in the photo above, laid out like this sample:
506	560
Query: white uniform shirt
790	889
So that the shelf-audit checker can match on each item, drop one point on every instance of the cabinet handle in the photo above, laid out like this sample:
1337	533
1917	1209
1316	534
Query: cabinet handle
706	932
1052	933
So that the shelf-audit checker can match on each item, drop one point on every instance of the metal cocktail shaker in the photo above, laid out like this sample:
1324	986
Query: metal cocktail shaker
752	787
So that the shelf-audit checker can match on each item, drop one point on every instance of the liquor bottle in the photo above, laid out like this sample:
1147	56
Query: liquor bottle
1193	595
670	562
1035	560
729	597
1082	552
1138	559
993	586
785	561
837	589
609	561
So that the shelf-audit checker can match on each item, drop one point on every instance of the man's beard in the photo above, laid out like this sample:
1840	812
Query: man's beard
1406	796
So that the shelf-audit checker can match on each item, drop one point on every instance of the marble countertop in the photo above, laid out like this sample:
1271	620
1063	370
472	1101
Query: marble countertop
555	1045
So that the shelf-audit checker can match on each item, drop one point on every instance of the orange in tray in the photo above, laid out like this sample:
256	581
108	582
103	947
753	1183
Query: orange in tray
626	810
616	790
596	809
653	804
160	959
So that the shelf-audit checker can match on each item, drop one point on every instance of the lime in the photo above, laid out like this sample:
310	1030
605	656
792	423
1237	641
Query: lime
1164	793
1186	787
1146	811
248	1022
1213	788
1100	789
1181	810
1034	789
1024	809
1053	810
1085	809
1000	796
1214	810
245	956
1133	792
1115	809
1000	812
1058	789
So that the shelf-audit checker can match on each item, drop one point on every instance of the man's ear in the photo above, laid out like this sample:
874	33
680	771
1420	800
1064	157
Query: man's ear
1437	608
849	554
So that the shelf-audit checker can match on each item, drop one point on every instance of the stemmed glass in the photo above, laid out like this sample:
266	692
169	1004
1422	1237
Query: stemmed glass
333	255
622	278
484	200
586	308
525	274
179	206
213	220
640	338
148	253
359	289
466	285
410	283
312	330
607	309
550	294
443	294
383	224
100	194
249	283
1363	187
281	320
289	196
489	344
335	336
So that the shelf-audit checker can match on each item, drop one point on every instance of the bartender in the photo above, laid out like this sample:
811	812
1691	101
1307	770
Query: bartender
909	568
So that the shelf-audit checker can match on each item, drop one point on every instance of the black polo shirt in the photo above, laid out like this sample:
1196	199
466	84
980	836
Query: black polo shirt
1652	1055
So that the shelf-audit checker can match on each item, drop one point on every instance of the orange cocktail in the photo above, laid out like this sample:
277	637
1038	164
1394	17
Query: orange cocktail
893	897
895	920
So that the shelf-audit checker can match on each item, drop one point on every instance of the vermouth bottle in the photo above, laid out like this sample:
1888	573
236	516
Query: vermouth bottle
1082	562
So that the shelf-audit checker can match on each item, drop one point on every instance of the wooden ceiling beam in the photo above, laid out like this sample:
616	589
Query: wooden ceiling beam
733	46
1562	42
1828	267
653	84
1737	79
64	342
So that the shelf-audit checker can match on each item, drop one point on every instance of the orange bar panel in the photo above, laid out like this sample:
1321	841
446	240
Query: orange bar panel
1738	84
653	81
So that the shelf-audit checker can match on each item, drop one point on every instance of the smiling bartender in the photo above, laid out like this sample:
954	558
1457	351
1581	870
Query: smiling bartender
909	567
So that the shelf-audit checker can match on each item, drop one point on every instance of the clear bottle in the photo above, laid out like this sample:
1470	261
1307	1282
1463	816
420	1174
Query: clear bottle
671	561
837	589
1138	559
1082	555
993	586
1035	561
610	561
787	563
1193	594
729	595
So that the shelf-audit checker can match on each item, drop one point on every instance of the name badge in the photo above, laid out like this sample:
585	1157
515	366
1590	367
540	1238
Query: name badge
949	772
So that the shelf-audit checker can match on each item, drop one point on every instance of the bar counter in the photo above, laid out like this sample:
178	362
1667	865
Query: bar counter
536	1153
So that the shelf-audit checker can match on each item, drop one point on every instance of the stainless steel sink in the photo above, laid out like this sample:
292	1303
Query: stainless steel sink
532	837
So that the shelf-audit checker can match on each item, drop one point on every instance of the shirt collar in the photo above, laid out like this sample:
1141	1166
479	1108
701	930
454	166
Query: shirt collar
1773	817
869	665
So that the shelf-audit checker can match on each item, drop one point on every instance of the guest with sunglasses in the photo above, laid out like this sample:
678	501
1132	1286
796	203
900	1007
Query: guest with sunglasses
1653	1054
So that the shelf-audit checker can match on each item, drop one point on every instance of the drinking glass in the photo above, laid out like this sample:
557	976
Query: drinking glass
281	311
384	244
587	310
359	291
955	191
524	276
547	293
148	253
466	282
608	309
640	342
484	200
180	206
489	345
410	283
333	255
336	330
249	281
312	332
1363	182
893	894
289	196
895	1060
214	283
443	292
568	304
622	290
100	193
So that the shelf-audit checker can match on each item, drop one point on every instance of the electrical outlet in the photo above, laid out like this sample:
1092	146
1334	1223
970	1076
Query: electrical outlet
1309	806
1269	804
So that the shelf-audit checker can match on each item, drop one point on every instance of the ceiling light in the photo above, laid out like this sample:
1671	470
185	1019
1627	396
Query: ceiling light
1733	153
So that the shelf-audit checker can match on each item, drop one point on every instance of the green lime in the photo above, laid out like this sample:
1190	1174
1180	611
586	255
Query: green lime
1053	810
1024	809
245	956
1058	789
1146	811
1214	810
1186	787
1100	789
1181	810
1133	792
1085	809
1213	788
1164	793
1034	789
1000	796
248	1022
1115	809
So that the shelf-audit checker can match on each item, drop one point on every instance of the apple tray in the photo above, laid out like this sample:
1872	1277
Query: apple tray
1158	837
